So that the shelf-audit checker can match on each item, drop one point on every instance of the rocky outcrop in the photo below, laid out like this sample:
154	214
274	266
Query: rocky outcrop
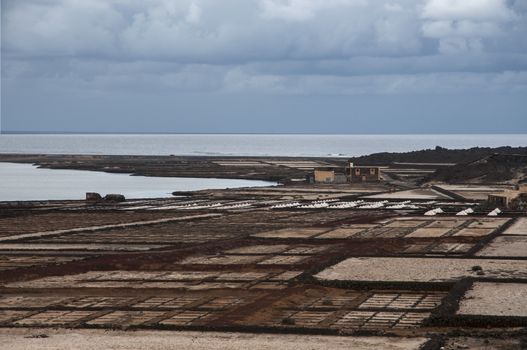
93	196
113	197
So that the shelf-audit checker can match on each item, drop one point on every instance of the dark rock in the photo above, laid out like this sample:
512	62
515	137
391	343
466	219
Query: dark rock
93	196
113	197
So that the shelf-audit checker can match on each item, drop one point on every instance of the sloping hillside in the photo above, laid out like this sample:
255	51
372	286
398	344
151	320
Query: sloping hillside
437	155
510	168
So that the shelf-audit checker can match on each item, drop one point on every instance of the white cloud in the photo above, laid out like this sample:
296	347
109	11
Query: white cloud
65	27
210	30
393	7
301	10
271	46
247	30
461	26
479	10
194	13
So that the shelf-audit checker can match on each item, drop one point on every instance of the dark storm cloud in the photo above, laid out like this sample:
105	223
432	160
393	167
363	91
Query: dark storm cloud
85	49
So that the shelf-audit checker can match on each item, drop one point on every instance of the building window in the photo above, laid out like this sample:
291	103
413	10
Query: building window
372	171
357	171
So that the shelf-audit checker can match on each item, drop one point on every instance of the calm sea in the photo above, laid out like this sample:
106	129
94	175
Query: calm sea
246	145
19	182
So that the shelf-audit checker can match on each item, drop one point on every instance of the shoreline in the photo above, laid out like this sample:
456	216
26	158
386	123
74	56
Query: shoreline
284	170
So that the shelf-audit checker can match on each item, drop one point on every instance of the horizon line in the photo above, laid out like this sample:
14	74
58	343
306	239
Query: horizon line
13	132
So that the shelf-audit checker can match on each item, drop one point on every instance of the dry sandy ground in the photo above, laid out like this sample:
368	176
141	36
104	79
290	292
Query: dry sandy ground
495	299
513	246
482	344
21	339
518	228
421	269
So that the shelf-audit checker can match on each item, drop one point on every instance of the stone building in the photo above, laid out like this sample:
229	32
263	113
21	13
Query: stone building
364	173
507	198
330	175
339	175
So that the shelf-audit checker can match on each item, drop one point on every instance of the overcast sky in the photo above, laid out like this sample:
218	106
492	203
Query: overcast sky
316	66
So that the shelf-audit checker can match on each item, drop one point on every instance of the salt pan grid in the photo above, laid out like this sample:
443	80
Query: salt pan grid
46	247
307	250
456	248
383	232
123	276
98	302
167	302
416	248
14	262
488	223
439	248
309	318
287	255
104	279
286	276
341	233
402	301
54	317
428	232
445	223
259	249
183	276
410	228
283	260
242	276
133	318
159	308
30	301
195	286
374	320
223	259
332	301
190	280
268	285
64	221
11	315
187	317
394	232
161	233
407	223
221	303
291	233
474	232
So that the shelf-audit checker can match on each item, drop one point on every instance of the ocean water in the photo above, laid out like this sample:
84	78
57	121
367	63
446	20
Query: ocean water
21	182
245	145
